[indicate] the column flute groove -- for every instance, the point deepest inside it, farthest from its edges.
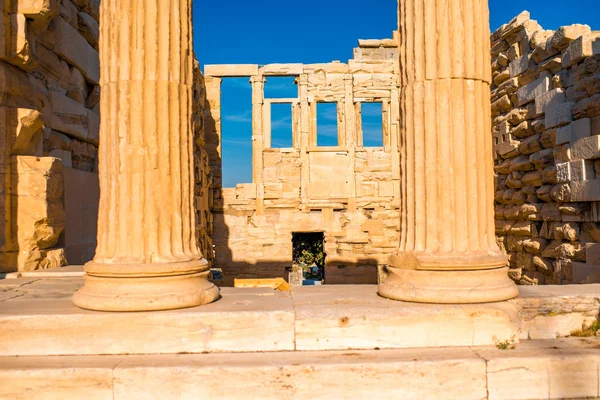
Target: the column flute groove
(147, 256)
(447, 251)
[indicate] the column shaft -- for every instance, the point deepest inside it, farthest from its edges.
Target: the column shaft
(147, 256)
(447, 252)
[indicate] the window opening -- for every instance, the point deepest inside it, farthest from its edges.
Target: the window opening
(236, 131)
(280, 87)
(327, 124)
(281, 125)
(372, 124)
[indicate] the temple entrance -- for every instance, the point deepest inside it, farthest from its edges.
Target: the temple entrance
(309, 256)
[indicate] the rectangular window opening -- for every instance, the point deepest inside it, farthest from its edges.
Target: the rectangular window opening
(281, 87)
(372, 124)
(236, 131)
(327, 124)
(281, 125)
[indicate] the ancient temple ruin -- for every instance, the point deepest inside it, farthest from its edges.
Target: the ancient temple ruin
(349, 192)
(111, 162)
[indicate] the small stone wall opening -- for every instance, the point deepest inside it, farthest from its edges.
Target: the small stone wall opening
(372, 124)
(327, 124)
(309, 254)
(281, 125)
(236, 135)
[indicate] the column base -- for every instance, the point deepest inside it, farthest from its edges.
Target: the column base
(118, 292)
(447, 287)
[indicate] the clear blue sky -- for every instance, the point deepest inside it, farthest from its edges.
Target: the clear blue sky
(309, 31)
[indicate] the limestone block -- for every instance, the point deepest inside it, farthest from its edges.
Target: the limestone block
(577, 50)
(563, 134)
(231, 70)
(518, 66)
(52, 66)
(93, 127)
(331, 189)
(281, 69)
(72, 47)
(580, 128)
(550, 98)
(501, 105)
(566, 34)
(38, 222)
(563, 172)
(64, 156)
(582, 170)
(584, 190)
(553, 65)
(559, 114)
(506, 74)
(373, 67)
(17, 44)
(586, 148)
(514, 24)
(68, 116)
(529, 92)
(32, 260)
(39, 177)
(585, 273)
(78, 88)
(24, 127)
(89, 28)
(38, 11)
(587, 107)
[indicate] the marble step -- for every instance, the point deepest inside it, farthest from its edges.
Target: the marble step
(38, 318)
(557, 369)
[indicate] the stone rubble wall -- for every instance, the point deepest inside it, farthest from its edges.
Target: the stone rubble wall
(546, 130)
(203, 185)
(49, 115)
(49, 127)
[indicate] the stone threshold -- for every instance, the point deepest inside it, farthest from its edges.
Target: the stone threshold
(39, 319)
(542, 369)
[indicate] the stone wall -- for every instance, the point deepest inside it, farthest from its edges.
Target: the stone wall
(49, 120)
(546, 129)
(349, 192)
(203, 187)
(49, 126)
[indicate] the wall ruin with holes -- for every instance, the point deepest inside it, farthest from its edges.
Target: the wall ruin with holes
(546, 129)
(349, 192)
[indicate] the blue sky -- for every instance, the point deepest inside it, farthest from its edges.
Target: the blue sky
(310, 31)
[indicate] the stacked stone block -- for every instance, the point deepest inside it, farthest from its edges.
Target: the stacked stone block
(49, 72)
(203, 186)
(546, 122)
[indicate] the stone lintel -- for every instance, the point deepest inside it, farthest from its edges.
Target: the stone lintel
(282, 69)
(230, 70)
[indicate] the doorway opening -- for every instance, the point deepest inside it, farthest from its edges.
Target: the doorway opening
(308, 253)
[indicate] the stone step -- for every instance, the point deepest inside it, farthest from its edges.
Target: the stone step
(37, 318)
(556, 369)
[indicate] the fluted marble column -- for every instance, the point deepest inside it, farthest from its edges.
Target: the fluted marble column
(147, 257)
(447, 252)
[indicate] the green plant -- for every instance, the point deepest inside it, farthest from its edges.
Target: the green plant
(308, 249)
(509, 344)
(587, 331)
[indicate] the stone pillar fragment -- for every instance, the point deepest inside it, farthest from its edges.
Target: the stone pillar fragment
(448, 252)
(147, 256)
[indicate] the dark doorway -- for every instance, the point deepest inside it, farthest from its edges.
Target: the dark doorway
(308, 253)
